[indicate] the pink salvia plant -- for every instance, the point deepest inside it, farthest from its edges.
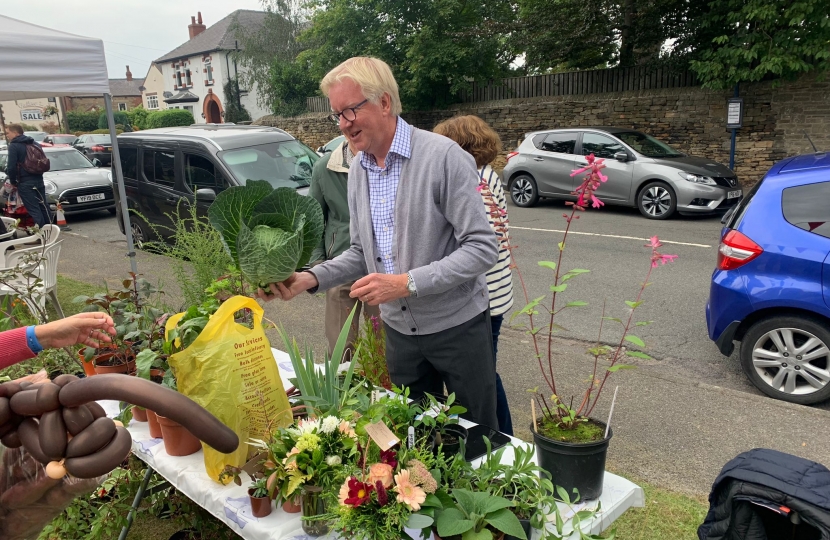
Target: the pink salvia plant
(566, 415)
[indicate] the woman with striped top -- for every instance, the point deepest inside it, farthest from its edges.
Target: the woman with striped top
(483, 143)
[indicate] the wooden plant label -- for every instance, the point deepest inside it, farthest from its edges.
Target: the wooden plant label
(382, 436)
(254, 465)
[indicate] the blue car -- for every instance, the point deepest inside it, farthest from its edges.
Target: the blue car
(771, 288)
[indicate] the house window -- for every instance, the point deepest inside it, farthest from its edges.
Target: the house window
(188, 81)
(122, 106)
(152, 102)
(208, 72)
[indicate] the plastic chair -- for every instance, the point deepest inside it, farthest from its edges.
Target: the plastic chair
(10, 228)
(46, 270)
(47, 235)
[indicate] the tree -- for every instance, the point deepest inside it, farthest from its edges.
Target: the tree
(750, 40)
(138, 117)
(434, 47)
(235, 112)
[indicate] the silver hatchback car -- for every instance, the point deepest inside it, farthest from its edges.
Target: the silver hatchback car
(642, 171)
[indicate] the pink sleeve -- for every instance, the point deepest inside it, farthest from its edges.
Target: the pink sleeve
(13, 347)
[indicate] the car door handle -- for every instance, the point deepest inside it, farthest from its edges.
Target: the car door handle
(582, 164)
(173, 200)
(538, 159)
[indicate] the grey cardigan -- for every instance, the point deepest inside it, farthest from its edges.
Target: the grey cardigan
(442, 237)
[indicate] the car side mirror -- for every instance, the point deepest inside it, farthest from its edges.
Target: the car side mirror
(96, 162)
(319, 150)
(205, 194)
(621, 156)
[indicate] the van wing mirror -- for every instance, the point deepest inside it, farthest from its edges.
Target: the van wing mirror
(205, 194)
(621, 156)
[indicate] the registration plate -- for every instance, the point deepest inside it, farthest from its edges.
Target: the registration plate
(733, 194)
(94, 197)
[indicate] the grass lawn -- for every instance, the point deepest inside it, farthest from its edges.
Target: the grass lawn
(667, 515)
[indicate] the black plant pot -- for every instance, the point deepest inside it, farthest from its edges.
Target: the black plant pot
(525, 525)
(579, 466)
(451, 449)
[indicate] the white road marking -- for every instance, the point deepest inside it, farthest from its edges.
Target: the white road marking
(611, 236)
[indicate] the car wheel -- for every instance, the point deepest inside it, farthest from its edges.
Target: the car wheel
(657, 200)
(788, 358)
(523, 191)
(142, 233)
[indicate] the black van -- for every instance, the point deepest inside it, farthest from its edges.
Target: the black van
(166, 167)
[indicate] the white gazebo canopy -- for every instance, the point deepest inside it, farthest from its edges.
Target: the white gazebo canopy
(41, 62)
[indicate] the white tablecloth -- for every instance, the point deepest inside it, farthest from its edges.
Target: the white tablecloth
(231, 504)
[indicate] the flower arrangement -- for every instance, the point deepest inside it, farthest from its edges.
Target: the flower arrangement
(568, 419)
(312, 452)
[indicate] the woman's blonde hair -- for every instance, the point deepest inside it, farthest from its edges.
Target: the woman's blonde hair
(373, 76)
(473, 135)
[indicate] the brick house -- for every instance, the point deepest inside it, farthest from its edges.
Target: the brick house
(195, 72)
(126, 94)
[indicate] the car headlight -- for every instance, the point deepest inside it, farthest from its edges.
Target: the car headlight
(698, 179)
(109, 176)
(51, 188)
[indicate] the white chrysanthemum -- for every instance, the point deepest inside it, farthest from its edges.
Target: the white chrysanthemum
(333, 461)
(304, 427)
(329, 424)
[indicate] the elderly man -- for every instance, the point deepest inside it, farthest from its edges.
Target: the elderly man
(420, 243)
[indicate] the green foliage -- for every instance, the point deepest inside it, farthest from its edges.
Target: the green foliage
(85, 121)
(120, 117)
(235, 112)
(198, 255)
(29, 127)
(169, 118)
(106, 131)
(750, 40)
(476, 515)
(269, 233)
(372, 360)
(289, 84)
(138, 117)
(258, 488)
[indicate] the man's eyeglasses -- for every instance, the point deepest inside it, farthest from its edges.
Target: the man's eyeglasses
(349, 114)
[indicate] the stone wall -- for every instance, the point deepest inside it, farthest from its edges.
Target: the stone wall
(690, 119)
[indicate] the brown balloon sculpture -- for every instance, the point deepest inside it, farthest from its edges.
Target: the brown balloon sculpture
(61, 426)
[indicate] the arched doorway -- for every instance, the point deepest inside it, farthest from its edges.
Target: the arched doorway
(212, 109)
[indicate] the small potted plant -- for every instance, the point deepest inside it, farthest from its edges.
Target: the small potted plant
(477, 515)
(571, 444)
(442, 420)
(260, 501)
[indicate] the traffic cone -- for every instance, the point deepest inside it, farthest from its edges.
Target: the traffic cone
(61, 219)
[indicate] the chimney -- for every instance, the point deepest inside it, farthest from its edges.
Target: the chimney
(196, 28)
(129, 74)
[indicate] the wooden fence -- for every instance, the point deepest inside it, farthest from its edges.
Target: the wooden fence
(562, 84)
(579, 82)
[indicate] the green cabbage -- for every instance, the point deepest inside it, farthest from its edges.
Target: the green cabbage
(269, 233)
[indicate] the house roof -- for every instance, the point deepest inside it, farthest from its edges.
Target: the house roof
(182, 97)
(123, 87)
(218, 37)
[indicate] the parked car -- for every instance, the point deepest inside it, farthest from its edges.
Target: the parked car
(95, 147)
(60, 139)
(38, 136)
(642, 171)
(330, 146)
(72, 179)
(167, 166)
(771, 288)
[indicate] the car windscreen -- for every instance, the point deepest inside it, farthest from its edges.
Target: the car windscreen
(36, 135)
(647, 145)
(66, 160)
(283, 164)
(64, 139)
(100, 139)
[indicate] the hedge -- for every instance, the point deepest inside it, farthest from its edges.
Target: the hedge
(169, 118)
(138, 117)
(82, 120)
(120, 117)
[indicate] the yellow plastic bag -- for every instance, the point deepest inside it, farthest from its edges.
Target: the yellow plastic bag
(230, 371)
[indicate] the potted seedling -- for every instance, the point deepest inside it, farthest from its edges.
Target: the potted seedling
(260, 501)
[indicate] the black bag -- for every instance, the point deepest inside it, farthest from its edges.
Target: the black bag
(36, 161)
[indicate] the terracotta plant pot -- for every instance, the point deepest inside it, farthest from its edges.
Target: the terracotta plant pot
(89, 367)
(139, 414)
(178, 441)
(127, 368)
(292, 505)
(260, 506)
(155, 428)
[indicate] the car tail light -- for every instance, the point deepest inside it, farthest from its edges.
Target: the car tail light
(97, 148)
(735, 250)
(511, 155)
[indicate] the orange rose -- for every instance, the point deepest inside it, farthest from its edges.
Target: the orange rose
(380, 472)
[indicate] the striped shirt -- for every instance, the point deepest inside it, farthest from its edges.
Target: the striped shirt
(383, 189)
(500, 277)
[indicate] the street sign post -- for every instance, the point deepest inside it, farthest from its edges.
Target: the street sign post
(734, 121)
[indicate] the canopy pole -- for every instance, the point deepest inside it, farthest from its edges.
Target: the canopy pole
(118, 178)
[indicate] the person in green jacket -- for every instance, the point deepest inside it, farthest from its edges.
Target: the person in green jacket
(329, 181)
